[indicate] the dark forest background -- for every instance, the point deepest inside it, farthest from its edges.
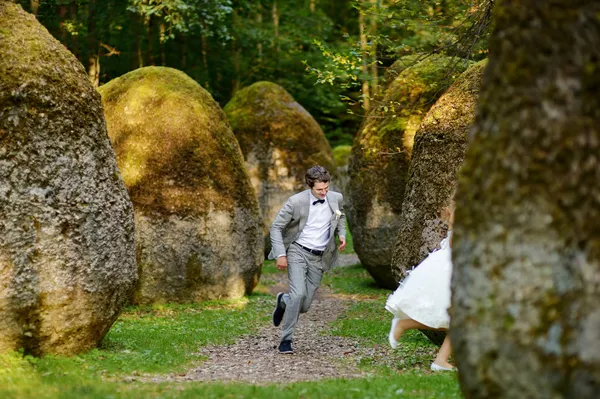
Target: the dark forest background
(331, 55)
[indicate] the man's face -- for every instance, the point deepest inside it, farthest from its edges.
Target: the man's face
(320, 189)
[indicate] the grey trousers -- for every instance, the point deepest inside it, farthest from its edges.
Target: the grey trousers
(305, 271)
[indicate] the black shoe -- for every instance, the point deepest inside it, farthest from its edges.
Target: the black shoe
(286, 347)
(279, 311)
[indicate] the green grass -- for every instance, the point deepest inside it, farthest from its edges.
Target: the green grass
(349, 241)
(353, 280)
(144, 340)
(268, 269)
(382, 386)
(32, 384)
(166, 339)
(368, 321)
(50, 379)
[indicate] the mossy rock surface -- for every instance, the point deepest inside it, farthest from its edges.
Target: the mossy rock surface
(526, 247)
(280, 140)
(341, 156)
(438, 152)
(380, 158)
(394, 70)
(67, 255)
(197, 221)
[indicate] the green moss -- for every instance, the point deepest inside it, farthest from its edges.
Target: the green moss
(35, 64)
(457, 110)
(264, 116)
(524, 205)
(398, 66)
(382, 149)
(439, 150)
(341, 154)
(174, 147)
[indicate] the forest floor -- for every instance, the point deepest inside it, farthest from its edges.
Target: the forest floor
(255, 358)
(228, 349)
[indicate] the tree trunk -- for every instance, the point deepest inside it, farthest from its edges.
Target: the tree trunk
(526, 283)
(183, 52)
(364, 45)
(318, 26)
(35, 5)
(235, 79)
(150, 33)
(235, 84)
(259, 46)
(163, 37)
(374, 65)
(73, 11)
(204, 44)
(93, 46)
(275, 15)
(62, 15)
(140, 22)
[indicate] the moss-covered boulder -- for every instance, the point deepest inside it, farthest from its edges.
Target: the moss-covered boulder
(197, 222)
(67, 255)
(525, 320)
(380, 157)
(341, 156)
(280, 141)
(394, 70)
(438, 152)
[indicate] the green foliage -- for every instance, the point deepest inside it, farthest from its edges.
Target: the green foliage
(353, 280)
(187, 16)
(341, 153)
(400, 28)
(229, 44)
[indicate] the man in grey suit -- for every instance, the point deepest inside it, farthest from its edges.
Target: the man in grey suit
(303, 242)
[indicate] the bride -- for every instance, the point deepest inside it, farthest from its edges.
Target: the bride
(422, 299)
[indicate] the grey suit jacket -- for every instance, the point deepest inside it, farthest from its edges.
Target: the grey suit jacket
(291, 219)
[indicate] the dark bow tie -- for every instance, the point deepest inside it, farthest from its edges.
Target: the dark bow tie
(318, 202)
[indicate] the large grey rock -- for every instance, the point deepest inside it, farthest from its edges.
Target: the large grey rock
(67, 256)
(380, 158)
(438, 152)
(280, 140)
(525, 317)
(198, 232)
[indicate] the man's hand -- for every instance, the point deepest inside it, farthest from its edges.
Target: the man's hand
(342, 244)
(282, 263)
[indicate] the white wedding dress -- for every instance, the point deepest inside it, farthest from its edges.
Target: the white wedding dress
(424, 295)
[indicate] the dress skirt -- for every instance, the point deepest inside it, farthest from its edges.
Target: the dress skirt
(424, 295)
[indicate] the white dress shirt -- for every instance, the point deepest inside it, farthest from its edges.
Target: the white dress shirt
(315, 234)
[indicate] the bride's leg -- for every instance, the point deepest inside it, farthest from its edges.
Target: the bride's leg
(444, 353)
(407, 324)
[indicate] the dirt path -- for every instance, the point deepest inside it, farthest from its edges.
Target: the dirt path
(255, 359)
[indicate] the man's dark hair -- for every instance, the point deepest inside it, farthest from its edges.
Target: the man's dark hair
(316, 174)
